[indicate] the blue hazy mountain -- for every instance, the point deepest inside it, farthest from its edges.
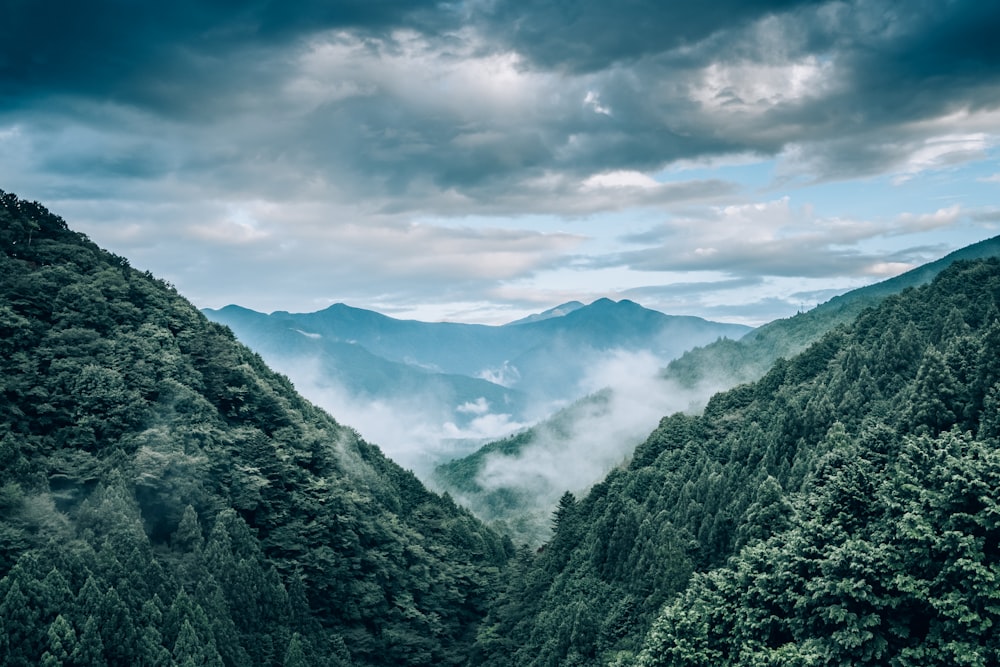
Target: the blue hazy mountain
(464, 382)
(341, 360)
(558, 311)
(542, 358)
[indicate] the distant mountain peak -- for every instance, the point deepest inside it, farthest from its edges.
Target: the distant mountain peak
(605, 302)
(559, 311)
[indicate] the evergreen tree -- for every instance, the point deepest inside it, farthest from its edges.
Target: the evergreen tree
(931, 408)
(62, 642)
(20, 643)
(118, 632)
(188, 536)
(192, 651)
(89, 650)
(295, 655)
(150, 649)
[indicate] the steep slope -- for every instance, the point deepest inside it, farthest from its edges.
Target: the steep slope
(513, 484)
(855, 484)
(167, 499)
(750, 357)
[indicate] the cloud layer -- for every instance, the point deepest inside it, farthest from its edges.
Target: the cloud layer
(439, 157)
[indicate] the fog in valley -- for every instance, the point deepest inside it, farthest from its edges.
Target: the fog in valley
(417, 431)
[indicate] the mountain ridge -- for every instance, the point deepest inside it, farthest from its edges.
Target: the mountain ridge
(557, 311)
(838, 510)
(477, 381)
(751, 356)
(165, 498)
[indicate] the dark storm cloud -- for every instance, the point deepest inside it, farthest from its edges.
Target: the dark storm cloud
(882, 69)
(900, 70)
(617, 86)
(590, 35)
(146, 52)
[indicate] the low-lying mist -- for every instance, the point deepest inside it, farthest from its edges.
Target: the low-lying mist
(573, 446)
(574, 453)
(417, 430)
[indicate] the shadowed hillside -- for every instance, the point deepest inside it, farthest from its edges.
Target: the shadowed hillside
(165, 499)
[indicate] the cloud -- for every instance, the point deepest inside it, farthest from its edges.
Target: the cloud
(988, 215)
(344, 149)
(590, 35)
(295, 248)
(159, 56)
(417, 431)
(771, 239)
(652, 292)
(402, 95)
(593, 101)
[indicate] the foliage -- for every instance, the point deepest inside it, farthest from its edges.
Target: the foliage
(839, 510)
(700, 372)
(166, 499)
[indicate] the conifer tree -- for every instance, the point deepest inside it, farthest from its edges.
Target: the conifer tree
(933, 397)
(118, 631)
(188, 537)
(89, 650)
(192, 651)
(62, 642)
(295, 655)
(20, 642)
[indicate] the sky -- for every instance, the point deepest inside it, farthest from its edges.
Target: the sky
(481, 160)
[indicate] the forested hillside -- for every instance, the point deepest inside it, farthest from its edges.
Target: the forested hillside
(841, 510)
(747, 359)
(521, 504)
(165, 499)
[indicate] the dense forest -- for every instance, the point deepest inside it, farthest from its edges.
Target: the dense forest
(841, 510)
(165, 499)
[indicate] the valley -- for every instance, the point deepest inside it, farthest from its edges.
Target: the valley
(169, 499)
(428, 392)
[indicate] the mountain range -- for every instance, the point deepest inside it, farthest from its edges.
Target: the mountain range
(465, 381)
